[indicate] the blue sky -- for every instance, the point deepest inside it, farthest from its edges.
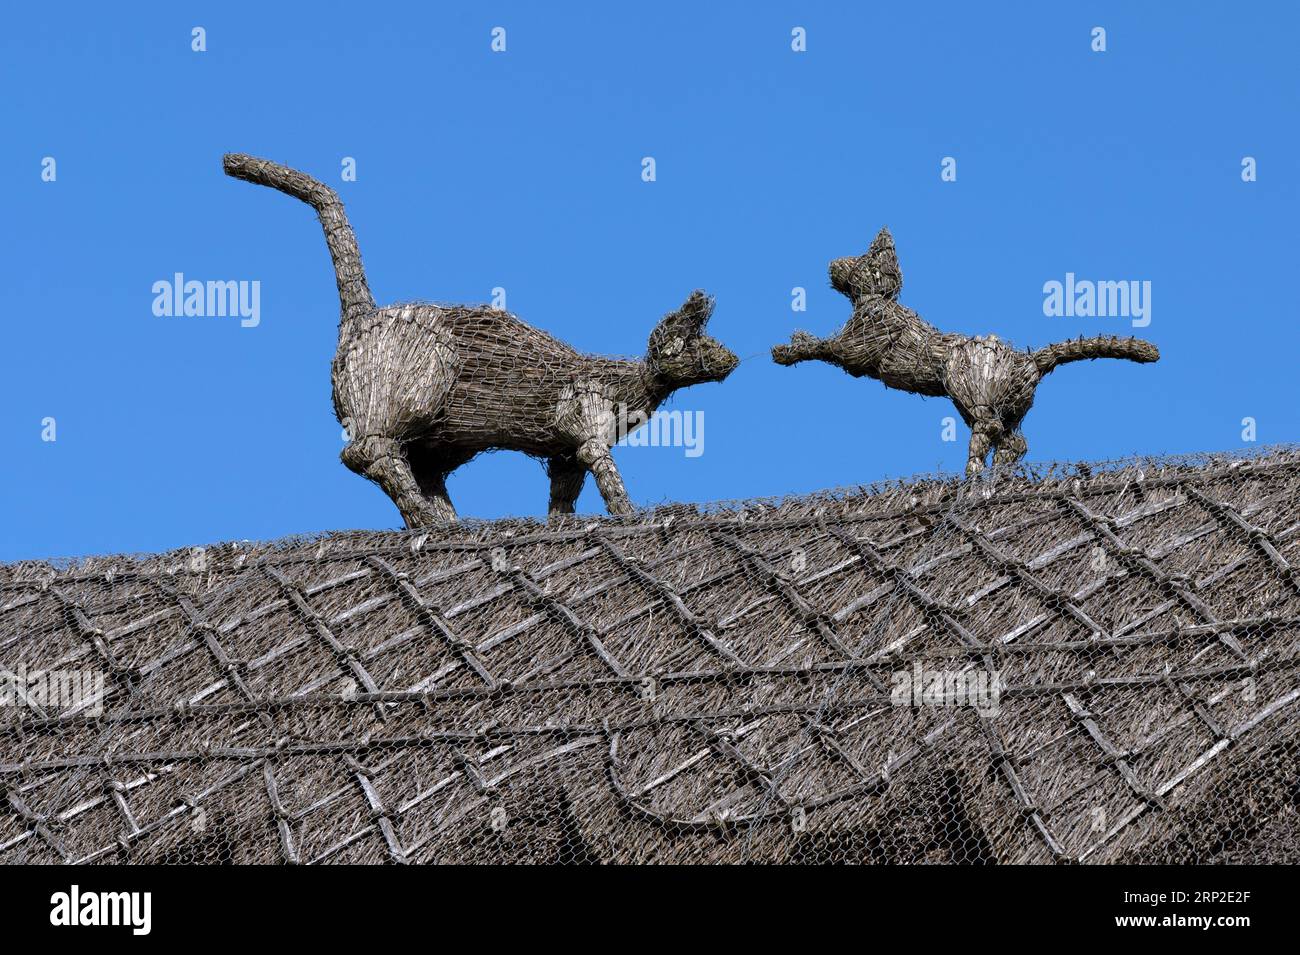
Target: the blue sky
(522, 170)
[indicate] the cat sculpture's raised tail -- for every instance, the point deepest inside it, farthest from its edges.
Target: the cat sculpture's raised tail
(354, 292)
(1086, 349)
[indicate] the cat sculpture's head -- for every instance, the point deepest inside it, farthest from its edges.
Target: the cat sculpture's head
(680, 354)
(875, 273)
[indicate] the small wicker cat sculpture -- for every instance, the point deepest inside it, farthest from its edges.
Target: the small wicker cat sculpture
(991, 383)
(423, 388)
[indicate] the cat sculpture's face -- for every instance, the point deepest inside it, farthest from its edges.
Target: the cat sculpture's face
(875, 273)
(680, 354)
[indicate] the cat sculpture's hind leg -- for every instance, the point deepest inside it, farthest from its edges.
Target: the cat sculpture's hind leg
(431, 465)
(383, 460)
(391, 380)
(985, 432)
(1011, 448)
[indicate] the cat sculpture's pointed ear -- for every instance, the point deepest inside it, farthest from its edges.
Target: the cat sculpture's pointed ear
(875, 272)
(883, 242)
(690, 318)
(883, 256)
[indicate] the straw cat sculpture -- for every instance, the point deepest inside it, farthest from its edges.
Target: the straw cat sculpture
(991, 383)
(424, 388)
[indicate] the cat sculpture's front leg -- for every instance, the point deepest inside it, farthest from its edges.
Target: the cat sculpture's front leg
(587, 416)
(567, 474)
(595, 456)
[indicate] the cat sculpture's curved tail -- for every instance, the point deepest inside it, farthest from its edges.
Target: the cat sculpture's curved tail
(354, 292)
(1132, 349)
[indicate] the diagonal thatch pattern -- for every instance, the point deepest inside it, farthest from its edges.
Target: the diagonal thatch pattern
(686, 685)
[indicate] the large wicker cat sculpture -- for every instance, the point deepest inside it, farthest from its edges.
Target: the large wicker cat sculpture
(421, 388)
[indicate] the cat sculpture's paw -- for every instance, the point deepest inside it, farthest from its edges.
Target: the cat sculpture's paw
(802, 346)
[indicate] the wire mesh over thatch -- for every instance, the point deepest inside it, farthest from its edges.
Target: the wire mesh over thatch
(1090, 665)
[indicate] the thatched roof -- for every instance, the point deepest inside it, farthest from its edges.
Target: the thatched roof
(688, 684)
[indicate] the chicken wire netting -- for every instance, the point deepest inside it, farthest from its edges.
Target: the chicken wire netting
(1051, 664)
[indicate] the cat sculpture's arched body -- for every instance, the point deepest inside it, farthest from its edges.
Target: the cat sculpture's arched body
(423, 388)
(991, 383)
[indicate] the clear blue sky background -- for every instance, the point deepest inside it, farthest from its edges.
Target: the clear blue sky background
(522, 170)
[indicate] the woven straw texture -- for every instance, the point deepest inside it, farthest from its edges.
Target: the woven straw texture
(688, 684)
